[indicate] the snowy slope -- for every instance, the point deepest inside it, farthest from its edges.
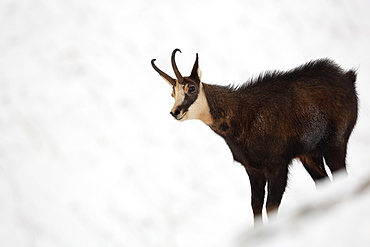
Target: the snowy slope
(336, 216)
(89, 155)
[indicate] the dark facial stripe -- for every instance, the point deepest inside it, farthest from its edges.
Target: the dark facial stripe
(188, 101)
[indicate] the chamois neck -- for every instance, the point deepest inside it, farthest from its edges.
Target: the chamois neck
(200, 109)
(221, 101)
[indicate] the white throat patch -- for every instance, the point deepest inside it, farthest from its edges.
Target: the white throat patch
(199, 109)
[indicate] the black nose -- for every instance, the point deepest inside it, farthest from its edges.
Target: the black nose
(176, 113)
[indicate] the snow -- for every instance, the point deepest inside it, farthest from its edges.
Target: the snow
(89, 155)
(336, 216)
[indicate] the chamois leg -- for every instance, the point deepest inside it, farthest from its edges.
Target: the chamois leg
(314, 165)
(257, 180)
(335, 158)
(276, 183)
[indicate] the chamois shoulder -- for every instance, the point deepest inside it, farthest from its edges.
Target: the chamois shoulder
(311, 70)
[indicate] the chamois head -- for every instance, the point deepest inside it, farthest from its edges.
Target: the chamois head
(190, 102)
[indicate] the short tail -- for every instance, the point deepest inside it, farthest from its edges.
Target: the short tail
(352, 75)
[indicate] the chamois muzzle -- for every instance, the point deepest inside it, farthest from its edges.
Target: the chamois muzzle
(178, 114)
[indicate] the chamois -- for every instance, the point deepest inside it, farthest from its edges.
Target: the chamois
(307, 113)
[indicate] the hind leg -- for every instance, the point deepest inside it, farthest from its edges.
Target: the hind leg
(335, 158)
(276, 183)
(314, 165)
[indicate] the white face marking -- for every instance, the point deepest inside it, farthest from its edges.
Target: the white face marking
(198, 110)
(179, 96)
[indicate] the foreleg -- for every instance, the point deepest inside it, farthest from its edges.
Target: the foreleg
(257, 180)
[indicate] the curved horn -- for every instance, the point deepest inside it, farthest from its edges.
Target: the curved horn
(195, 70)
(164, 75)
(174, 66)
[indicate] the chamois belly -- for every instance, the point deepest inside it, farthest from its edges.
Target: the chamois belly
(260, 155)
(271, 150)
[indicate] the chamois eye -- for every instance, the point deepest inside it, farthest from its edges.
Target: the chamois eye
(191, 89)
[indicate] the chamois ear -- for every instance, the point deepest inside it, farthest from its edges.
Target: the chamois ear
(196, 74)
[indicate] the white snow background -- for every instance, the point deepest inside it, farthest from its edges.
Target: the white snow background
(89, 155)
